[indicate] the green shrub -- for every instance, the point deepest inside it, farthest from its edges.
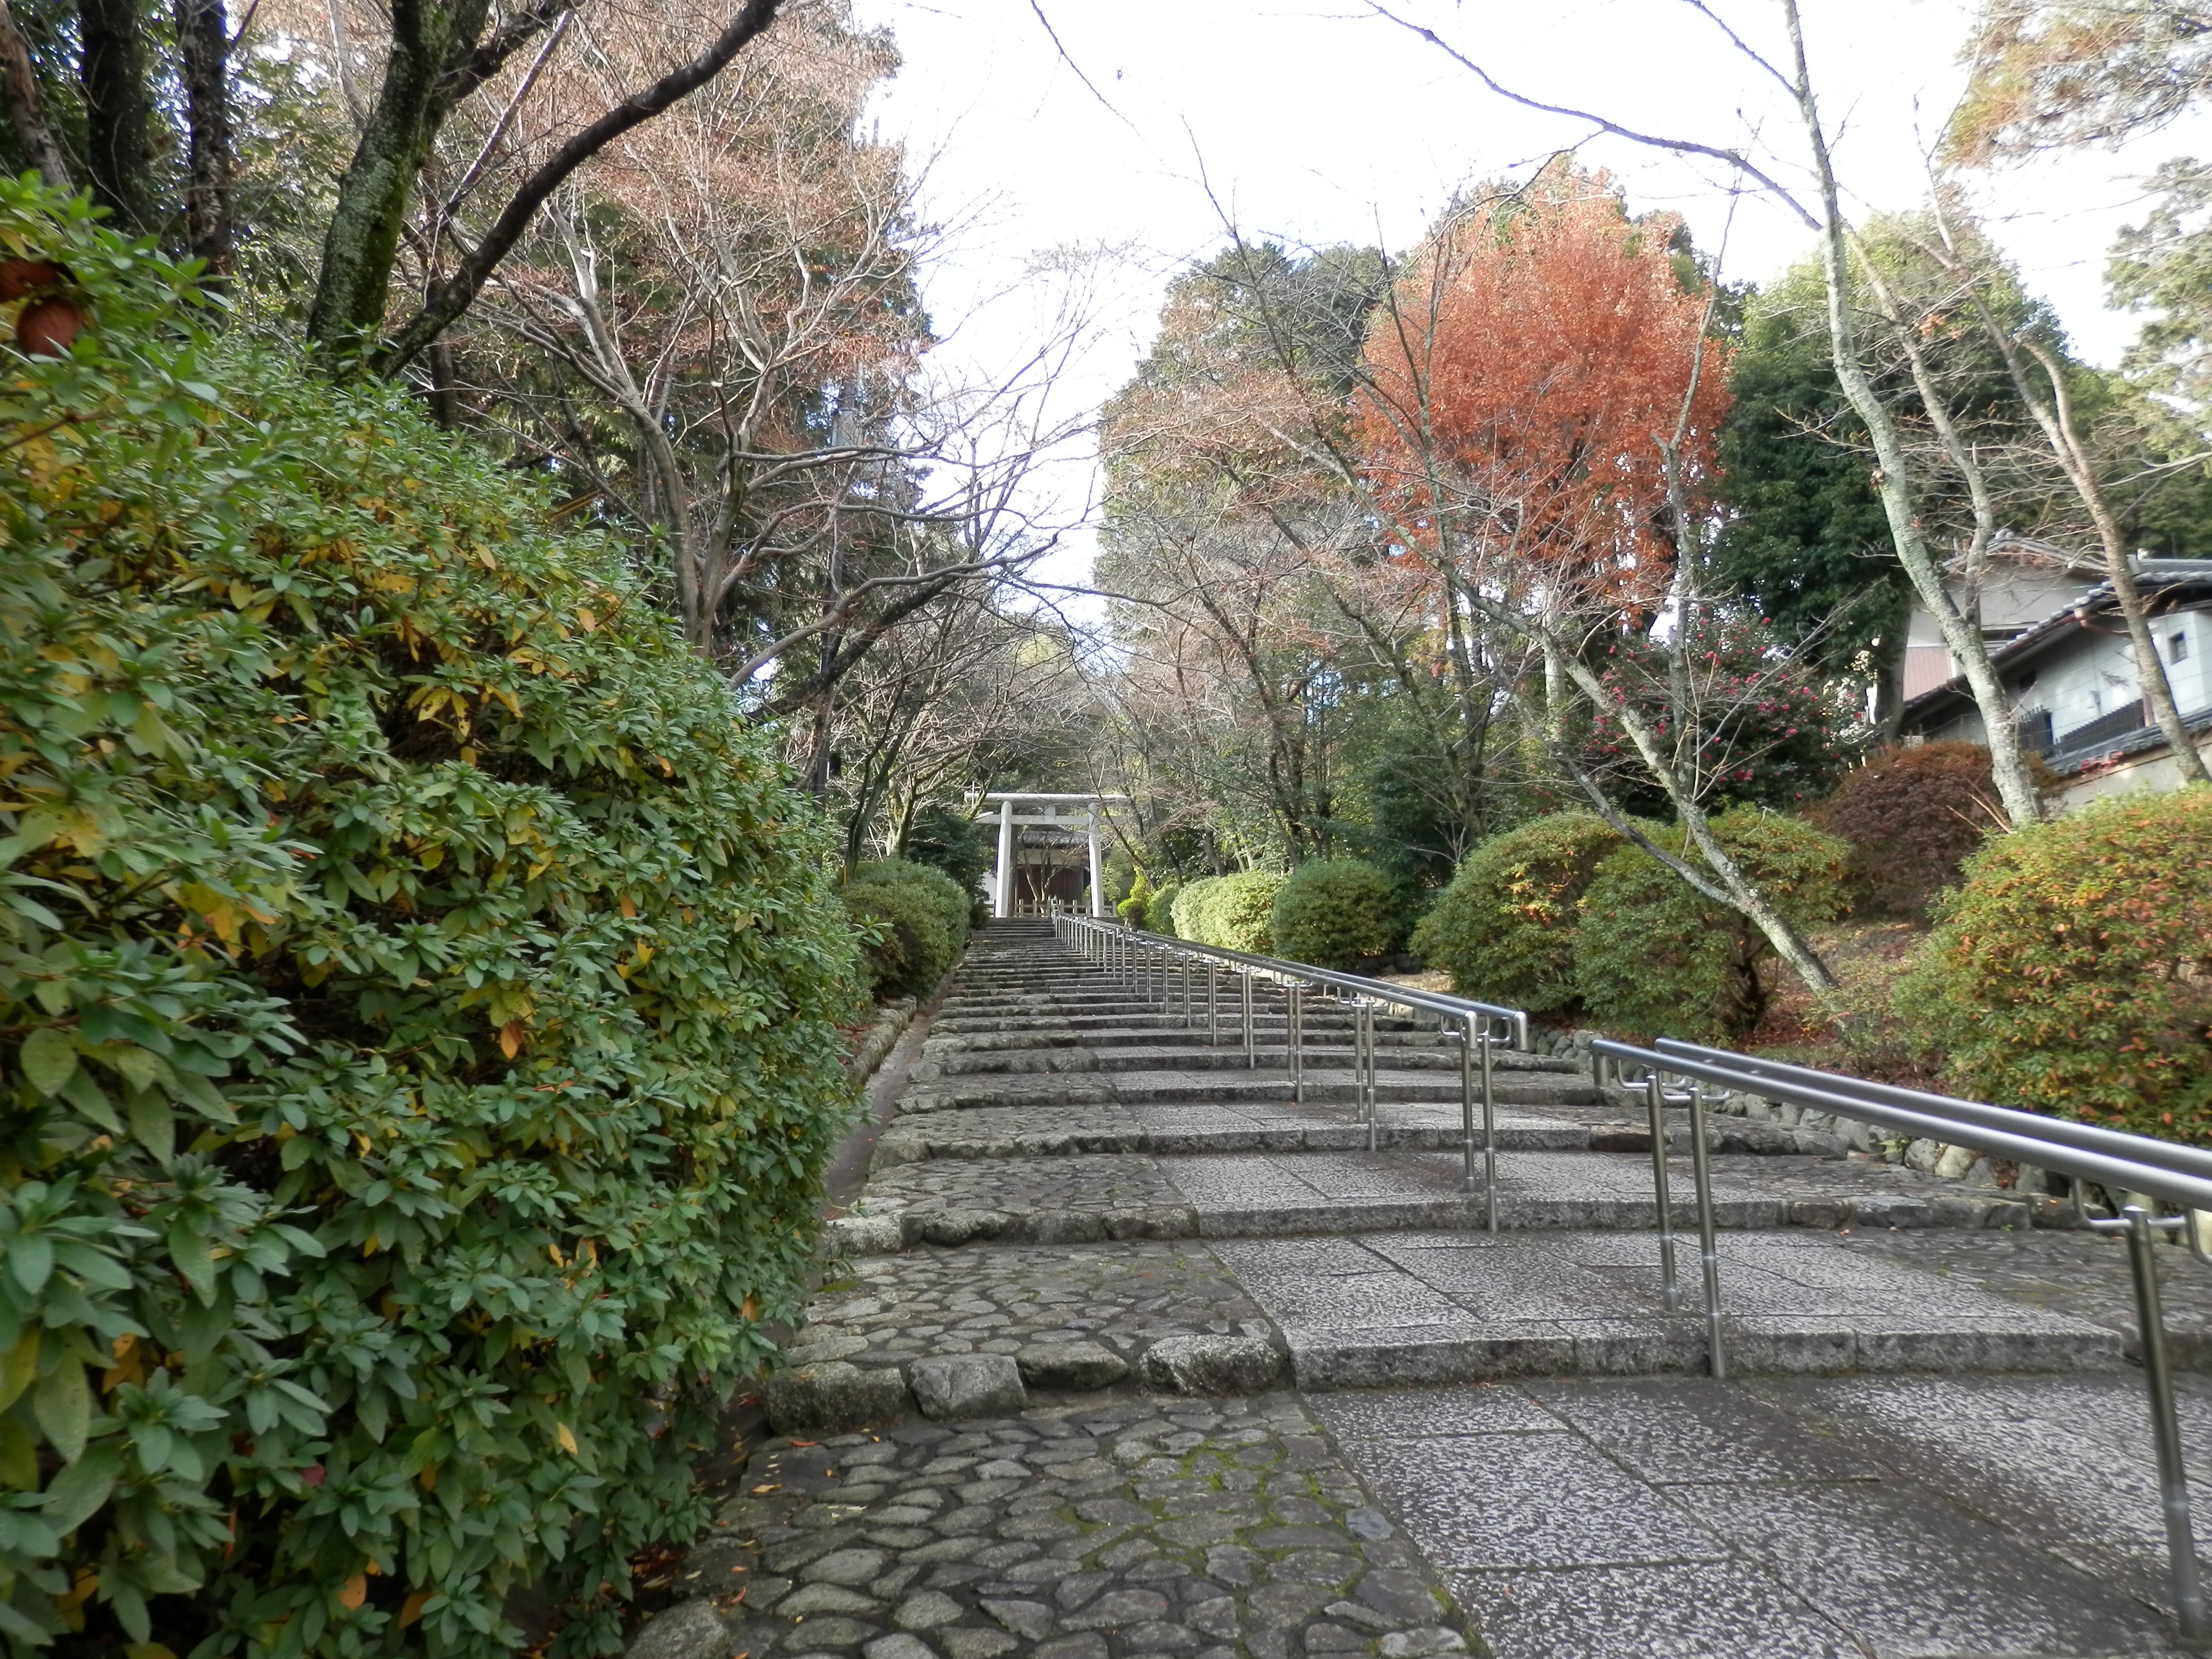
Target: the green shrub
(1911, 815)
(1335, 913)
(1133, 908)
(1656, 957)
(419, 997)
(1504, 928)
(1159, 909)
(2071, 972)
(924, 921)
(1189, 902)
(954, 843)
(1236, 910)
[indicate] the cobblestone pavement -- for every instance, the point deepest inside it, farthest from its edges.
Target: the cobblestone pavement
(1039, 1405)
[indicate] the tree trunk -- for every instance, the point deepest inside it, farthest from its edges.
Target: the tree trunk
(429, 37)
(118, 110)
(2008, 761)
(203, 51)
(27, 107)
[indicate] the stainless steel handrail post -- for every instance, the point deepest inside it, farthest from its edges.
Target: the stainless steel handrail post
(1212, 1005)
(1654, 1102)
(1363, 1069)
(2166, 1429)
(1489, 1129)
(1296, 1042)
(1466, 1040)
(1251, 1036)
(1709, 1257)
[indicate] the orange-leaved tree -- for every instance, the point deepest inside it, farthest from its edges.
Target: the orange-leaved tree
(1534, 366)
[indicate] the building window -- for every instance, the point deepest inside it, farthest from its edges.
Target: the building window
(2177, 647)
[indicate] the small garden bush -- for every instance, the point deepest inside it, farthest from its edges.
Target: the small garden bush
(1159, 909)
(1134, 909)
(1335, 913)
(419, 997)
(1189, 902)
(1236, 911)
(921, 919)
(1911, 815)
(1504, 928)
(1656, 957)
(2071, 972)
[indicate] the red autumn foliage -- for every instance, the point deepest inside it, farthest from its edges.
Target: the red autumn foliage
(1520, 386)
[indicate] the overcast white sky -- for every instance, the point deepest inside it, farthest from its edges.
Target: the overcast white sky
(1322, 123)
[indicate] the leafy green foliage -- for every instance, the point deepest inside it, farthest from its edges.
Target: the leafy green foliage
(418, 1007)
(1911, 815)
(1159, 909)
(1505, 928)
(1656, 957)
(1336, 913)
(954, 843)
(1136, 908)
(1233, 912)
(1189, 900)
(922, 919)
(2071, 971)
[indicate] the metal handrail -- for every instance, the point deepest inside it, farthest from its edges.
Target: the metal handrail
(2141, 1170)
(1139, 956)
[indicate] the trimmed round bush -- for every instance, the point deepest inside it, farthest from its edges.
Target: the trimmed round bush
(1335, 913)
(1504, 928)
(1656, 957)
(1132, 910)
(922, 919)
(1912, 817)
(1190, 903)
(419, 1007)
(1159, 910)
(1237, 911)
(2071, 971)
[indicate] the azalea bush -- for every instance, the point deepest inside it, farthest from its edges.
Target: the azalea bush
(1656, 957)
(418, 1014)
(917, 920)
(1504, 928)
(1336, 913)
(1232, 912)
(2071, 971)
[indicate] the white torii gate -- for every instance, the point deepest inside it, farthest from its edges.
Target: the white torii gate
(1017, 808)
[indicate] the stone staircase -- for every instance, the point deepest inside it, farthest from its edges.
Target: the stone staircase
(1129, 1353)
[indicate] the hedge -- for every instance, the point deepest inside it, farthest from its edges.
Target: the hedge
(1159, 909)
(1336, 913)
(1505, 927)
(419, 999)
(2071, 972)
(1234, 912)
(1190, 901)
(1912, 817)
(1656, 957)
(921, 918)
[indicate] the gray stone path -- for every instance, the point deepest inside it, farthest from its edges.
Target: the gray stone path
(1126, 1353)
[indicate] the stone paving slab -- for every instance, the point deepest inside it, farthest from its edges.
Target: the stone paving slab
(1227, 1529)
(1398, 1309)
(1703, 1521)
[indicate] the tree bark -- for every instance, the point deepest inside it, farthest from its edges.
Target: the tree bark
(203, 51)
(2008, 764)
(27, 107)
(118, 110)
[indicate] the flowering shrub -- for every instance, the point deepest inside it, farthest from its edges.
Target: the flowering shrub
(2071, 971)
(418, 1006)
(1656, 957)
(1504, 928)
(1768, 732)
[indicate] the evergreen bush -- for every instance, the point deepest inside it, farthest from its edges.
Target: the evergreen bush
(1912, 817)
(1236, 911)
(2071, 971)
(954, 842)
(1159, 909)
(1337, 913)
(922, 919)
(1656, 957)
(1504, 928)
(1137, 906)
(1189, 904)
(419, 999)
